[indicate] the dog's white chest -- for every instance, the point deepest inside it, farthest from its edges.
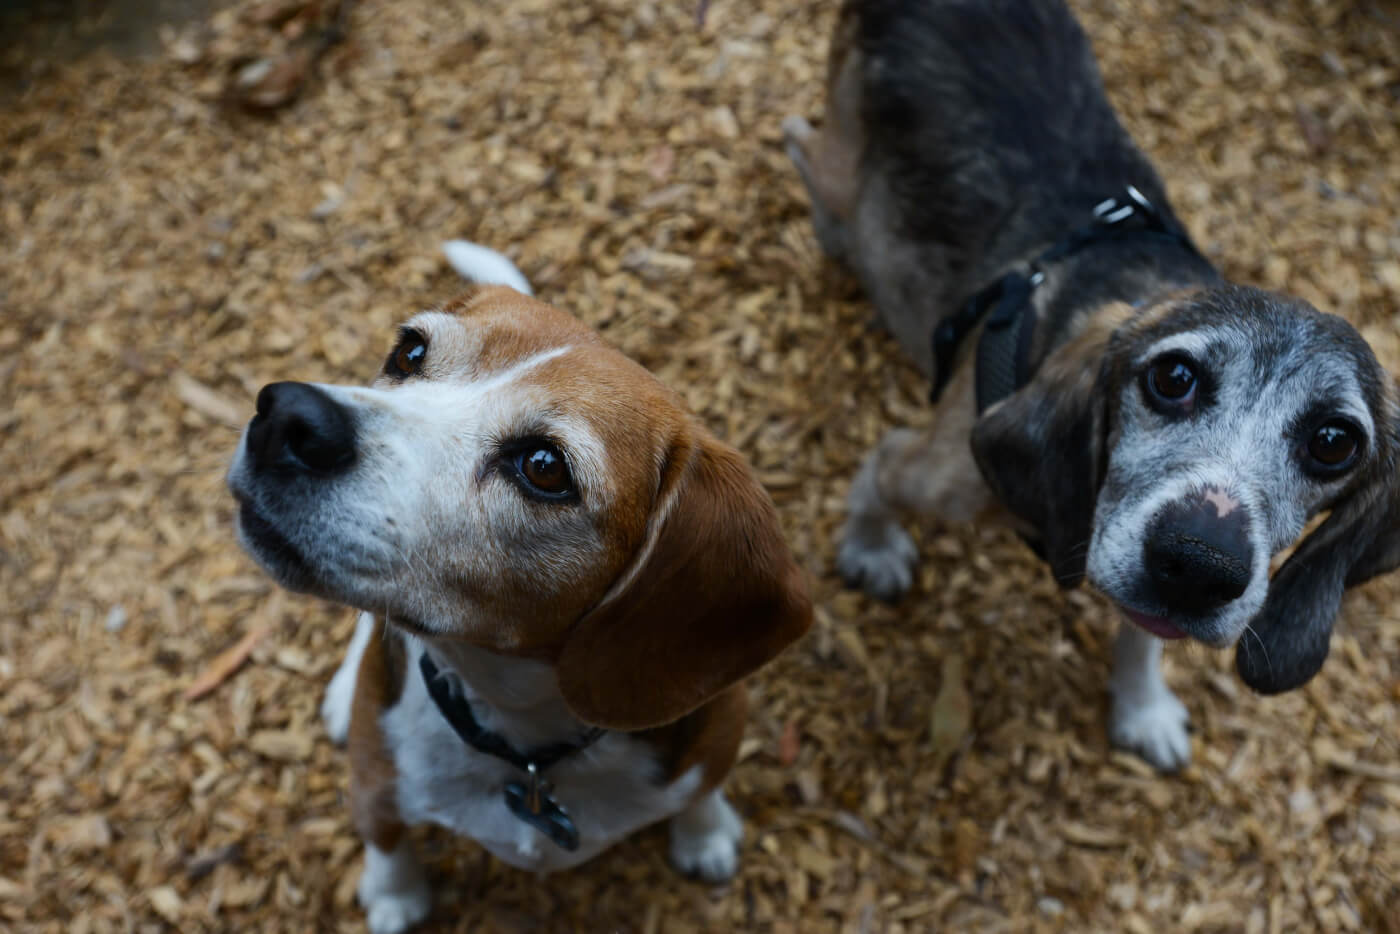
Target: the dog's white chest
(608, 789)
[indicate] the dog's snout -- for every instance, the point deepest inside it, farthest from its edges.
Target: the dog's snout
(1198, 555)
(300, 427)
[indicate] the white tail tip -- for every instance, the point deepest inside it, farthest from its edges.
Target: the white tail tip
(484, 265)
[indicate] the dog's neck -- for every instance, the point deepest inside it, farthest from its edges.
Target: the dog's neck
(1132, 271)
(515, 697)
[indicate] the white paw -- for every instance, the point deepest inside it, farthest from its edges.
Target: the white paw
(878, 557)
(393, 890)
(705, 839)
(396, 913)
(1154, 729)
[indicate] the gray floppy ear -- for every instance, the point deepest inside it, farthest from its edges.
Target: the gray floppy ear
(1288, 641)
(1041, 450)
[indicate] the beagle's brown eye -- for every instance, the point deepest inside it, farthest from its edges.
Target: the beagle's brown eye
(1333, 445)
(544, 471)
(406, 359)
(1172, 378)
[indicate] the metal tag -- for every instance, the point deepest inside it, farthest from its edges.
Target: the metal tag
(531, 802)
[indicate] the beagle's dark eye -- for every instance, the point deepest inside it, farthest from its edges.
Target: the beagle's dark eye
(544, 472)
(1334, 445)
(406, 359)
(1171, 382)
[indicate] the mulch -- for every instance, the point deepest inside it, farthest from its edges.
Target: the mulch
(166, 247)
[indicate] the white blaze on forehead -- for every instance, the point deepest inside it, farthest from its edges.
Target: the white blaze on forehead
(422, 396)
(1223, 502)
(437, 411)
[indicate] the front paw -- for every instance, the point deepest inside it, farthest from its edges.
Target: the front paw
(705, 840)
(1155, 729)
(394, 913)
(393, 890)
(878, 558)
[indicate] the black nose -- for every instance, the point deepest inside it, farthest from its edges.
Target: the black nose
(299, 427)
(1198, 554)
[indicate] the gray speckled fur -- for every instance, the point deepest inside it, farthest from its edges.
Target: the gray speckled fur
(977, 133)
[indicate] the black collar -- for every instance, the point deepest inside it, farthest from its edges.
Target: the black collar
(457, 712)
(1003, 352)
(531, 801)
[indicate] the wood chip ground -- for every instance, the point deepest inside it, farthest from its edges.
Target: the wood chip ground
(940, 765)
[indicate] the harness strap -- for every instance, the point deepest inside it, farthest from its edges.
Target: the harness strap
(1003, 352)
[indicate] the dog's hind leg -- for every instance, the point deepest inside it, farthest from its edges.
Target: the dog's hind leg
(804, 146)
(930, 473)
(829, 159)
(1146, 718)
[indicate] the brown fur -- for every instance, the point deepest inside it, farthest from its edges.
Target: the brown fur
(693, 589)
(717, 596)
(709, 738)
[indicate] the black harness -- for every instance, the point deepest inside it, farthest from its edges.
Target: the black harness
(531, 801)
(1003, 352)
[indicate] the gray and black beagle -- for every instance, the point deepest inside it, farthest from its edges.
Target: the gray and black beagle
(1146, 424)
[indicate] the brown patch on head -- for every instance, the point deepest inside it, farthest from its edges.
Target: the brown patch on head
(660, 579)
(489, 327)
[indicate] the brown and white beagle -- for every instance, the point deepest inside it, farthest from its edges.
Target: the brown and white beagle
(1142, 422)
(564, 580)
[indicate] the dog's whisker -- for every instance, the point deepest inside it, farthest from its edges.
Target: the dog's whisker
(1268, 663)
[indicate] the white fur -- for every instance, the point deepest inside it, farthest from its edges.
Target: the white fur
(422, 482)
(609, 789)
(705, 838)
(484, 265)
(1146, 717)
(393, 890)
(340, 693)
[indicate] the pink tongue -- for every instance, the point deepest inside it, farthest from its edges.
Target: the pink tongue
(1155, 624)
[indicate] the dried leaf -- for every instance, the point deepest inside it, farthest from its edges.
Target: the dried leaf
(282, 745)
(90, 832)
(226, 663)
(788, 744)
(1084, 835)
(274, 82)
(208, 402)
(951, 715)
(167, 903)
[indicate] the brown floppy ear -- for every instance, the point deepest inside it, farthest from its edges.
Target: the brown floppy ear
(1041, 450)
(1288, 640)
(715, 596)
